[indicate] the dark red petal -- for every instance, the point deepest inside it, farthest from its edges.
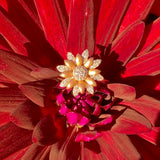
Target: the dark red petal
(151, 38)
(147, 106)
(17, 155)
(92, 151)
(36, 91)
(3, 44)
(138, 10)
(45, 132)
(131, 122)
(68, 149)
(13, 139)
(147, 64)
(122, 91)
(127, 42)
(36, 152)
(152, 136)
(4, 118)
(81, 29)
(15, 38)
(68, 5)
(114, 146)
(16, 67)
(155, 8)
(111, 13)
(10, 98)
(26, 116)
(56, 30)
(147, 150)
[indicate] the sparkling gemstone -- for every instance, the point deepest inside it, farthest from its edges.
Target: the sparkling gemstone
(80, 73)
(96, 63)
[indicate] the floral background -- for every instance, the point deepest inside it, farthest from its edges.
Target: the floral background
(39, 120)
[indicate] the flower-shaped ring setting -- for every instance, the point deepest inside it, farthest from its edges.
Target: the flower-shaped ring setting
(80, 73)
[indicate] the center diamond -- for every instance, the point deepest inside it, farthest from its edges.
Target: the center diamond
(80, 73)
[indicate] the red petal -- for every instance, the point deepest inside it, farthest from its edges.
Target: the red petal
(127, 42)
(66, 150)
(131, 122)
(10, 98)
(138, 10)
(17, 155)
(111, 13)
(122, 91)
(155, 8)
(92, 151)
(68, 5)
(151, 38)
(36, 152)
(147, 64)
(36, 91)
(13, 139)
(54, 12)
(26, 116)
(16, 67)
(147, 150)
(147, 106)
(4, 118)
(81, 33)
(15, 39)
(45, 132)
(115, 146)
(152, 136)
(4, 45)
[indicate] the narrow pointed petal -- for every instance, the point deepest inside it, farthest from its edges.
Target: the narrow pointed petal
(44, 73)
(138, 10)
(152, 136)
(4, 118)
(13, 139)
(92, 151)
(151, 38)
(4, 45)
(36, 152)
(56, 29)
(26, 116)
(155, 8)
(131, 122)
(16, 67)
(111, 13)
(122, 91)
(147, 106)
(147, 150)
(147, 64)
(67, 150)
(122, 147)
(12, 35)
(10, 98)
(45, 132)
(81, 33)
(131, 37)
(36, 91)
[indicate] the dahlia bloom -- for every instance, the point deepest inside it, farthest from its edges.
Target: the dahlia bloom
(49, 110)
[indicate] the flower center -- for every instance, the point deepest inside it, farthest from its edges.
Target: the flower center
(80, 73)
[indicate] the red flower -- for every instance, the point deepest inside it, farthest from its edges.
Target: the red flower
(41, 120)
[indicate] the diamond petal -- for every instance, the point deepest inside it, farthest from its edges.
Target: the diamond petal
(96, 63)
(90, 89)
(62, 68)
(98, 77)
(70, 56)
(65, 82)
(76, 90)
(85, 55)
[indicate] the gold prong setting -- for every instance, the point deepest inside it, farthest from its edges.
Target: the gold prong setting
(80, 73)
